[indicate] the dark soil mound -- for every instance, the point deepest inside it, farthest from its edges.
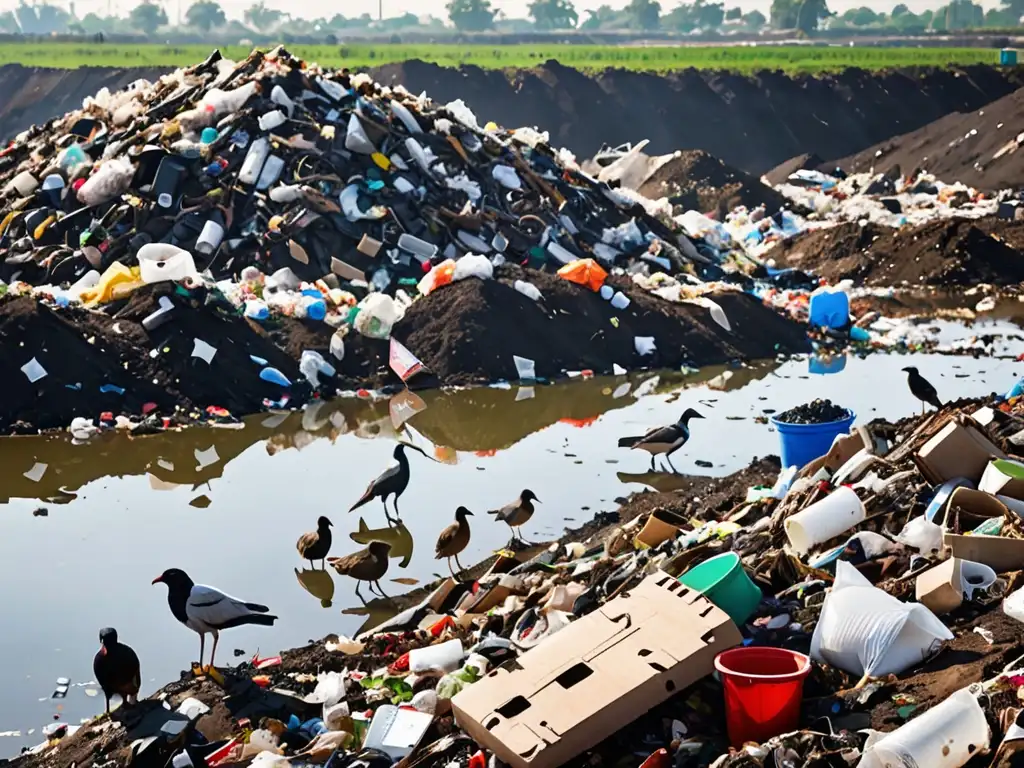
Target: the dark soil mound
(783, 171)
(953, 252)
(701, 182)
(958, 147)
(753, 122)
(467, 332)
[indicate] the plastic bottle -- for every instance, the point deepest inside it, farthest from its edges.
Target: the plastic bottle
(408, 120)
(313, 308)
(208, 136)
(271, 120)
(417, 247)
(212, 234)
(255, 158)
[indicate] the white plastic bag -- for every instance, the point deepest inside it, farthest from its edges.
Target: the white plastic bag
(529, 290)
(377, 315)
(866, 631)
(312, 364)
(921, 534)
(472, 265)
(112, 179)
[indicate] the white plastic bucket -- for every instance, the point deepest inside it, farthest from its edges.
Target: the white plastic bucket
(946, 736)
(975, 576)
(840, 511)
(162, 261)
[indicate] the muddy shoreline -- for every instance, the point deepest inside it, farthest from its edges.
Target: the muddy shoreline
(465, 333)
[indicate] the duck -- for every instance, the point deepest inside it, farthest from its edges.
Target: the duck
(206, 610)
(453, 539)
(116, 668)
(316, 544)
(368, 565)
(663, 441)
(518, 513)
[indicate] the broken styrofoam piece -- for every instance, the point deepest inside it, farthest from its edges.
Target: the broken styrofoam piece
(644, 345)
(866, 631)
(525, 367)
(34, 371)
(155, 319)
(203, 350)
(946, 736)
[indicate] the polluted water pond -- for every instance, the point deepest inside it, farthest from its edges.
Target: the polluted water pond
(121, 511)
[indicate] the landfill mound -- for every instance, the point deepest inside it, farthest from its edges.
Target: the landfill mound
(949, 252)
(699, 181)
(977, 147)
(753, 122)
(802, 162)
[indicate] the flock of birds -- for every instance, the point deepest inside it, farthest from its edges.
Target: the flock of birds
(207, 610)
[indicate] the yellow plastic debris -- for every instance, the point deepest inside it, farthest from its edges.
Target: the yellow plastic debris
(382, 162)
(116, 283)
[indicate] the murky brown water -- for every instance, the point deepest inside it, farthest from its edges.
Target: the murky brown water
(227, 505)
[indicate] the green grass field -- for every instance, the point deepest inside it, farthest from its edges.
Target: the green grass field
(811, 59)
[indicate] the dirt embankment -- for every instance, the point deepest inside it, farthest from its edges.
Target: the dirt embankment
(464, 333)
(752, 122)
(962, 146)
(952, 252)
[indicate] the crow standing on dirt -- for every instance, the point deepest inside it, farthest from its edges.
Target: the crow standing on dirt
(116, 667)
(922, 389)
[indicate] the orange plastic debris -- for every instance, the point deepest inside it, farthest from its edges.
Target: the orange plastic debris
(585, 272)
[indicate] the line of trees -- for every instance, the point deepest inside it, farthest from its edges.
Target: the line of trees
(807, 16)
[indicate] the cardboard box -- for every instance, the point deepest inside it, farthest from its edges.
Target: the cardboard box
(939, 589)
(595, 676)
(998, 553)
(959, 449)
(661, 526)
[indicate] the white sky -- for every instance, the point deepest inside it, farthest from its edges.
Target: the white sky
(512, 8)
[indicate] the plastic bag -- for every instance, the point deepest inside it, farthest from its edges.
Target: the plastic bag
(529, 290)
(584, 272)
(312, 364)
(113, 178)
(377, 315)
(439, 276)
(921, 534)
(472, 265)
(866, 631)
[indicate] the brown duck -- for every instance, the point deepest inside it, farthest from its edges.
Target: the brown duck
(517, 513)
(316, 544)
(368, 564)
(454, 539)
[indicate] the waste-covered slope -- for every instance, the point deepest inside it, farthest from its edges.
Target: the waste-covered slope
(978, 147)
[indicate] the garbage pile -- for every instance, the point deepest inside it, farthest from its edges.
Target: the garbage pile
(861, 603)
(273, 204)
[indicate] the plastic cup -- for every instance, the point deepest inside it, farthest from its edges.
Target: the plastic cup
(801, 444)
(722, 580)
(838, 512)
(763, 689)
(1000, 474)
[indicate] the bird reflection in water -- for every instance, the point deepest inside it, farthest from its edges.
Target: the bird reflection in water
(396, 535)
(319, 583)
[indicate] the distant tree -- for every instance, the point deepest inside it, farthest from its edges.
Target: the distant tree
(41, 19)
(258, 16)
(603, 16)
(861, 17)
(471, 15)
(205, 15)
(1001, 18)
(734, 14)
(899, 10)
(8, 23)
(698, 15)
(783, 13)
(553, 14)
(644, 14)
(809, 14)
(754, 20)
(963, 14)
(147, 17)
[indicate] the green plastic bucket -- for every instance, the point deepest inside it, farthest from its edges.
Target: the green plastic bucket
(722, 580)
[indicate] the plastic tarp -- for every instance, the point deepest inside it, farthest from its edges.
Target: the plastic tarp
(866, 631)
(586, 272)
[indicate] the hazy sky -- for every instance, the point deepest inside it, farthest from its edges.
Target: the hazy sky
(512, 8)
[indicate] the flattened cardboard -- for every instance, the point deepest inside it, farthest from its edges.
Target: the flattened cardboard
(956, 450)
(939, 588)
(346, 271)
(998, 553)
(596, 675)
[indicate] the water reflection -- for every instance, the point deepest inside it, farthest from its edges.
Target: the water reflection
(480, 421)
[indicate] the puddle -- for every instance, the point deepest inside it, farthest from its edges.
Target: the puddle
(227, 505)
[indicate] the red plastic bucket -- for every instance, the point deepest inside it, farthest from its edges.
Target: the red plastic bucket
(763, 690)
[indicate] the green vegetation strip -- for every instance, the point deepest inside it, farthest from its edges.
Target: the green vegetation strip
(795, 58)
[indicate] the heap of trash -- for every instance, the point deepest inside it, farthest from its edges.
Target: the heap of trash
(283, 219)
(861, 604)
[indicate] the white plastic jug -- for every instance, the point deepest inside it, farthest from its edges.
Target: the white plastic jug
(839, 511)
(163, 261)
(946, 736)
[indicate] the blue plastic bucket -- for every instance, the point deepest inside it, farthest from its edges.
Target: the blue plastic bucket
(801, 444)
(1008, 57)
